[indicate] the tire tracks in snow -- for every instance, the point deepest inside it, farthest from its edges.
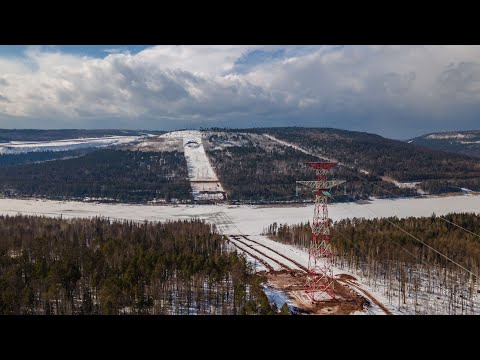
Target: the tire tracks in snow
(365, 293)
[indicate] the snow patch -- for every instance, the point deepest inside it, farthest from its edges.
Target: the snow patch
(21, 147)
(449, 136)
(469, 142)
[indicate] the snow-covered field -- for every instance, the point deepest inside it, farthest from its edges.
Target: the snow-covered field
(249, 220)
(20, 147)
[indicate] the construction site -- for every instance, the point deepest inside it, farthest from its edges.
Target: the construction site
(313, 289)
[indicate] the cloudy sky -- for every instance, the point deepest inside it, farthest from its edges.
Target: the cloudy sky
(395, 91)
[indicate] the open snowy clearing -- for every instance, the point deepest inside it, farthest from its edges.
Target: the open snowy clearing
(20, 147)
(249, 220)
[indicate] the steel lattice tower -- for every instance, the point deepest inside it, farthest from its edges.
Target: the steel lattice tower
(320, 258)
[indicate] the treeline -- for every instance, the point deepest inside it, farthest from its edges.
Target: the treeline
(469, 144)
(122, 176)
(407, 272)
(97, 266)
(255, 173)
(259, 173)
(383, 157)
(451, 185)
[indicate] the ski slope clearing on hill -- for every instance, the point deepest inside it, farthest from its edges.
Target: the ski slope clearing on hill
(199, 167)
(203, 179)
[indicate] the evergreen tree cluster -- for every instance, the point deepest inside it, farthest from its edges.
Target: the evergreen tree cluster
(383, 157)
(98, 266)
(8, 160)
(253, 172)
(122, 176)
(383, 252)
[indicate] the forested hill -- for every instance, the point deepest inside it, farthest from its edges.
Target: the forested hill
(7, 135)
(460, 142)
(111, 175)
(436, 171)
(97, 266)
(382, 156)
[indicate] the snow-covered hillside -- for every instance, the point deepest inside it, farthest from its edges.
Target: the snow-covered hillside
(19, 147)
(461, 142)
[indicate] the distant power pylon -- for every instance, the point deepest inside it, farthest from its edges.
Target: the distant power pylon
(320, 257)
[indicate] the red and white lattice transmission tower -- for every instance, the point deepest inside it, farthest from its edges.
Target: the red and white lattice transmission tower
(320, 259)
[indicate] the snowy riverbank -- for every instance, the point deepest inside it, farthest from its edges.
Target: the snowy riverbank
(248, 219)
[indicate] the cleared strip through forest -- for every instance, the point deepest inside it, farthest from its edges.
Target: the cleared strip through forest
(321, 157)
(267, 265)
(282, 265)
(301, 267)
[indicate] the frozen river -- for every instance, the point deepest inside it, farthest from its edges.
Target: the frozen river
(247, 219)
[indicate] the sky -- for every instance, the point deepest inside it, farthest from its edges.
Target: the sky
(395, 91)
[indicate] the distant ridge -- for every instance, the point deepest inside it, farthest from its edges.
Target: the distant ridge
(458, 142)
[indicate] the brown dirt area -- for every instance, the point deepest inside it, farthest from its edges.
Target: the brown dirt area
(293, 284)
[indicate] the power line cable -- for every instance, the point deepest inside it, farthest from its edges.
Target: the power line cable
(345, 167)
(422, 242)
(398, 197)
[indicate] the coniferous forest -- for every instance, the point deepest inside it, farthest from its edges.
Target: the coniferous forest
(259, 171)
(8, 160)
(251, 167)
(115, 175)
(437, 171)
(97, 266)
(409, 274)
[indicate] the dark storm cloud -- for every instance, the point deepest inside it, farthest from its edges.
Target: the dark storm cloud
(393, 90)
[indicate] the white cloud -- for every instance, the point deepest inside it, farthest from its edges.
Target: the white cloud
(353, 85)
